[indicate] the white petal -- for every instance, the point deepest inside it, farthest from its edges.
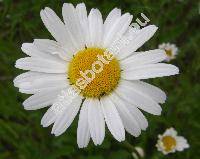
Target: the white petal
(66, 118)
(138, 115)
(52, 47)
(119, 27)
(34, 82)
(142, 58)
(48, 82)
(113, 119)
(83, 133)
(170, 132)
(73, 25)
(57, 28)
(40, 100)
(112, 17)
(41, 65)
(64, 98)
(95, 28)
(138, 98)
(40, 90)
(33, 51)
(83, 19)
(129, 121)
(150, 71)
(153, 92)
(26, 77)
(96, 121)
(48, 118)
(137, 40)
(181, 143)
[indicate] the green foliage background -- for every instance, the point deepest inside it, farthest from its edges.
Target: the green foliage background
(22, 136)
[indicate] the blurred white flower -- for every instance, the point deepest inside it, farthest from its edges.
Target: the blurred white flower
(170, 142)
(170, 49)
(140, 152)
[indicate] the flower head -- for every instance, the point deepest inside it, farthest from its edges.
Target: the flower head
(92, 66)
(170, 142)
(171, 50)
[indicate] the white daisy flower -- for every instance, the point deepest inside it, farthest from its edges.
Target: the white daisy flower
(171, 50)
(80, 53)
(170, 142)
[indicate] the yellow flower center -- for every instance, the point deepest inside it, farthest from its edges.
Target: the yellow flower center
(168, 52)
(95, 72)
(169, 143)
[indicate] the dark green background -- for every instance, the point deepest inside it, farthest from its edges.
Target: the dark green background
(22, 136)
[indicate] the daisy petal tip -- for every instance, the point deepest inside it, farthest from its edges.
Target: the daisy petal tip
(158, 113)
(23, 46)
(81, 5)
(56, 132)
(42, 13)
(52, 132)
(68, 5)
(53, 129)
(27, 107)
(81, 146)
(145, 128)
(17, 64)
(47, 9)
(56, 135)
(175, 70)
(121, 138)
(43, 125)
(154, 27)
(15, 83)
(96, 143)
(137, 135)
(25, 104)
(116, 11)
(162, 101)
